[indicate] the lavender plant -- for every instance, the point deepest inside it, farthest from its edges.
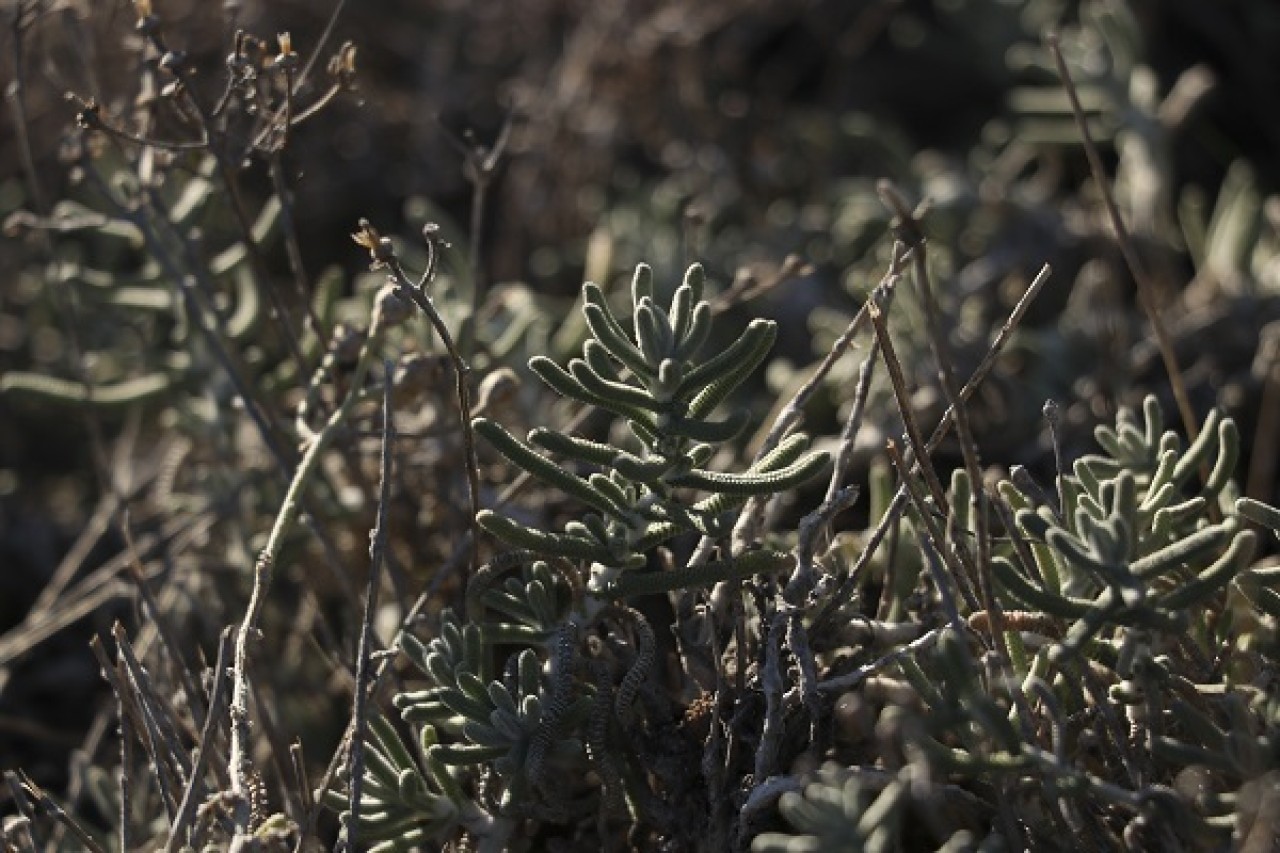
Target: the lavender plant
(1102, 688)
(651, 380)
(552, 673)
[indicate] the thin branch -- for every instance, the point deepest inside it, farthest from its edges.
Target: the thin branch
(969, 450)
(790, 412)
(90, 118)
(185, 285)
(771, 684)
(364, 674)
(903, 396)
(849, 433)
(932, 542)
(842, 683)
(48, 805)
(258, 264)
(17, 101)
(19, 796)
(293, 249)
(802, 579)
(158, 712)
(748, 287)
(383, 254)
(481, 165)
(329, 27)
(93, 591)
(899, 501)
(200, 755)
(240, 760)
(1146, 290)
(138, 574)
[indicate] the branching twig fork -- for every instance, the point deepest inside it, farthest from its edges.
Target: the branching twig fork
(900, 497)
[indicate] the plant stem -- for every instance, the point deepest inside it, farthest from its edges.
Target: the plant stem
(364, 673)
(1146, 292)
(241, 763)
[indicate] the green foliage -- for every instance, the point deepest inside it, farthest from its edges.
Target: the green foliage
(405, 807)
(1087, 663)
(526, 732)
(131, 257)
(517, 725)
(1113, 595)
(651, 379)
(564, 706)
(838, 811)
(1127, 547)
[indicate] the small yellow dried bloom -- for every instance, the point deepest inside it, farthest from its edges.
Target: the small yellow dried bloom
(287, 60)
(379, 247)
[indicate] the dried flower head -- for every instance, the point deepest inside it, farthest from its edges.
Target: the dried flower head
(287, 59)
(342, 66)
(148, 21)
(380, 249)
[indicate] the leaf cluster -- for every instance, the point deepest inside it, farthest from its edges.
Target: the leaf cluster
(651, 379)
